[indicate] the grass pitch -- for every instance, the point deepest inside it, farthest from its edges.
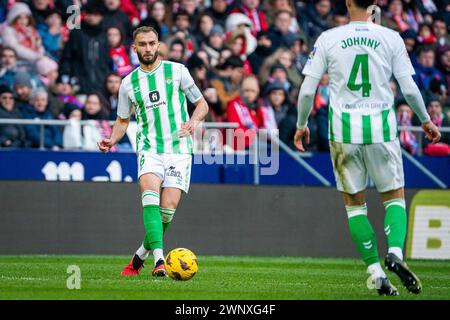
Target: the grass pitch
(237, 278)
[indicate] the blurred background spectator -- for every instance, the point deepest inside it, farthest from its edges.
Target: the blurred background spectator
(222, 42)
(11, 135)
(20, 33)
(8, 67)
(40, 109)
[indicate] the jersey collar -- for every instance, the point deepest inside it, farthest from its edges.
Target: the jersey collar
(150, 72)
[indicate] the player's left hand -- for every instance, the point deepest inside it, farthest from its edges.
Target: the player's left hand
(187, 128)
(299, 135)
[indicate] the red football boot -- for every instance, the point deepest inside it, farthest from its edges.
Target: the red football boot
(133, 268)
(159, 270)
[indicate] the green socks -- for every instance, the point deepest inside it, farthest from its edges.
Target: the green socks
(395, 223)
(156, 220)
(152, 221)
(362, 234)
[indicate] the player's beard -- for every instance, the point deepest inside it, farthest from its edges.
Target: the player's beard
(147, 61)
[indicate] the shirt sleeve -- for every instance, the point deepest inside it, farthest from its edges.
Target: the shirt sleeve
(401, 63)
(124, 104)
(186, 79)
(189, 87)
(317, 63)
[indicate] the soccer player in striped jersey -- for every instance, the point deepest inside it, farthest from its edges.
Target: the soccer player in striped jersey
(157, 90)
(361, 58)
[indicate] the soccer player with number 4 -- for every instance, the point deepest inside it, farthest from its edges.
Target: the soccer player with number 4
(361, 58)
(157, 90)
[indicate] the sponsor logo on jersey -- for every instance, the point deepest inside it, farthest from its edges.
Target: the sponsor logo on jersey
(154, 96)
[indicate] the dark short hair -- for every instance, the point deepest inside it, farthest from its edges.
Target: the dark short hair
(364, 3)
(426, 48)
(433, 98)
(94, 7)
(177, 41)
(233, 62)
(179, 13)
(10, 49)
(144, 29)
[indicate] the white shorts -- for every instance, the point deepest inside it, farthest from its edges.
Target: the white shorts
(174, 170)
(353, 164)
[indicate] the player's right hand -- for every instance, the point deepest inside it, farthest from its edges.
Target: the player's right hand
(431, 132)
(105, 145)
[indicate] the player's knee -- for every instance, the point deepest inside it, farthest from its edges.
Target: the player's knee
(393, 194)
(150, 197)
(357, 199)
(166, 214)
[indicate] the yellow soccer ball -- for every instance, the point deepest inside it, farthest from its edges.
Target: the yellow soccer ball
(181, 264)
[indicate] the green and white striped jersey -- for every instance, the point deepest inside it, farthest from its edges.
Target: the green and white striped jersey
(360, 58)
(160, 105)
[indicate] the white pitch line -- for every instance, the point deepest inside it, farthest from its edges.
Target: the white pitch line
(24, 278)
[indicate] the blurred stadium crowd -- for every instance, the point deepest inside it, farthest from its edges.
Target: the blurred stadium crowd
(59, 62)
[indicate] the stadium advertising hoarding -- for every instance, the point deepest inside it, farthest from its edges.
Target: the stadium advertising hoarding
(429, 225)
(122, 167)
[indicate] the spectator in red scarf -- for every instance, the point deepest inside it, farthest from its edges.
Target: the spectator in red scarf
(21, 35)
(245, 111)
(237, 44)
(252, 10)
(407, 139)
(118, 52)
(426, 34)
(396, 17)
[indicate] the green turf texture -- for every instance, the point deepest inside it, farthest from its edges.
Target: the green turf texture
(237, 278)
